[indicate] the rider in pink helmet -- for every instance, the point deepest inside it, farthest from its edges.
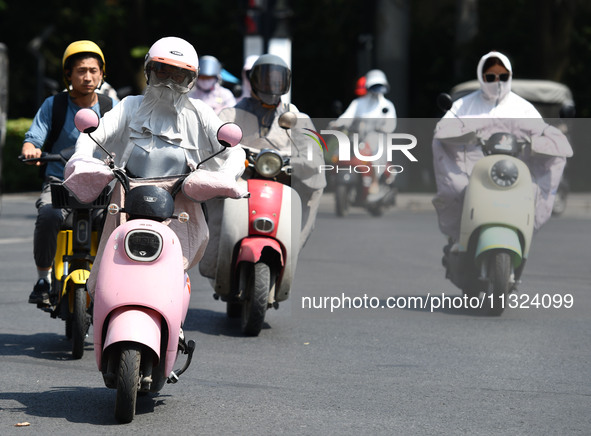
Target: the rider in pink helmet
(161, 135)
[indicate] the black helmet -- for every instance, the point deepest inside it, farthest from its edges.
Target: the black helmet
(270, 78)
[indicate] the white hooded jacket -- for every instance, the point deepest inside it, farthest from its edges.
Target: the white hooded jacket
(373, 111)
(493, 100)
(491, 109)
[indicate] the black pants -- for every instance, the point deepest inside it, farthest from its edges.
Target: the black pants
(47, 226)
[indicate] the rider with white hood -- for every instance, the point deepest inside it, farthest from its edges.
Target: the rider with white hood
(161, 135)
(373, 107)
(491, 109)
(370, 115)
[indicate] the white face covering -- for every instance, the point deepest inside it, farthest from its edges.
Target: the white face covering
(158, 115)
(496, 90)
(206, 84)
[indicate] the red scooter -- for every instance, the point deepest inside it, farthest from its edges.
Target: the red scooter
(261, 238)
(353, 180)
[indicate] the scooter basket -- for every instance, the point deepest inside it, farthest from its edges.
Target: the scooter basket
(62, 198)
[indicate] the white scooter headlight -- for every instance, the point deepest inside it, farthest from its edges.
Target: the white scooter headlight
(143, 245)
(504, 173)
(268, 163)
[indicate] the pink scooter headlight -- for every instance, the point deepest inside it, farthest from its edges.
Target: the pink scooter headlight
(143, 245)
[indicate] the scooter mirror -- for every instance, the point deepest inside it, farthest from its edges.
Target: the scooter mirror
(444, 101)
(567, 110)
(287, 120)
(86, 120)
(229, 134)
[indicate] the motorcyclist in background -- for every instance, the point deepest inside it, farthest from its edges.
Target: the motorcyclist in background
(370, 115)
(160, 135)
(83, 65)
(208, 88)
(270, 78)
(491, 109)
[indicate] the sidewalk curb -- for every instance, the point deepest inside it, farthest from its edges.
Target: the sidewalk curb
(578, 204)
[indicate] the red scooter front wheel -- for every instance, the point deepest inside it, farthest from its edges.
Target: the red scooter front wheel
(257, 281)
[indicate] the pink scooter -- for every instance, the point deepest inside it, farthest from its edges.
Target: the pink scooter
(142, 292)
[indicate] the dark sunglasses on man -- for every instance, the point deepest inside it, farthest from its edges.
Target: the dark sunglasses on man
(490, 77)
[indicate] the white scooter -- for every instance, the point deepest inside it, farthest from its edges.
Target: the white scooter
(497, 224)
(260, 236)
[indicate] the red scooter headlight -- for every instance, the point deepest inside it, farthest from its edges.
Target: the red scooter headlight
(268, 163)
(143, 245)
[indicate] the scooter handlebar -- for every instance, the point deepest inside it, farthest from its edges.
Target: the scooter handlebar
(45, 157)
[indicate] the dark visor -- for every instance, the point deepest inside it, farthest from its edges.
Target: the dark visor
(270, 79)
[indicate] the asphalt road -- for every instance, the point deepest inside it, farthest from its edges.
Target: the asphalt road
(410, 371)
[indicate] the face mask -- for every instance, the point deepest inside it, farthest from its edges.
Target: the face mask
(206, 84)
(496, 90)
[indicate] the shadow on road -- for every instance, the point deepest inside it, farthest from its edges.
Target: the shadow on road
(49, 346)
(98, 404)
(214, 323)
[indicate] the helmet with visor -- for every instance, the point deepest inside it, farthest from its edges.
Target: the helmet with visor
(270, 78)
(172, 62)
(210, 67)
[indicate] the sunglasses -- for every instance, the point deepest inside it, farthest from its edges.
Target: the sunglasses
(490, 77)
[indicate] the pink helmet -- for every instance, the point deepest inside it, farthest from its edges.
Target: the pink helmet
(177, 53)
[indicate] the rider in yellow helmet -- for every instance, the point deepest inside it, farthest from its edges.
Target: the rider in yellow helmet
(83, 73)
(79, 49)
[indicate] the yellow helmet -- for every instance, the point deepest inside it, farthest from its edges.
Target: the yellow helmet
(83, 46)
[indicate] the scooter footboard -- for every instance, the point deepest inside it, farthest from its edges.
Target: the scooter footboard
(134, 325)
(499, 237)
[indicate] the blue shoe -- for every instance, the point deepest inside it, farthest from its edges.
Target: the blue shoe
(40, 294)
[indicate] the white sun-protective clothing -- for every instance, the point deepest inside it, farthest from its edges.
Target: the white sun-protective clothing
(261, 130)
(162, 133)
(371, 115)
(213, 94)
(491, 109)
(208, 87)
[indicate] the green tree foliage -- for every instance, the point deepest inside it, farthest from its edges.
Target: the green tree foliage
(117, 27)
(17, 176)
(545, 39)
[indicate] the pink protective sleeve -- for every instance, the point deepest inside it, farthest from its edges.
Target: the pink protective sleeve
(202, 185)
(86, 177)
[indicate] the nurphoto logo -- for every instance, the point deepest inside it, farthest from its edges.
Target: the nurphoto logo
(388, 145)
